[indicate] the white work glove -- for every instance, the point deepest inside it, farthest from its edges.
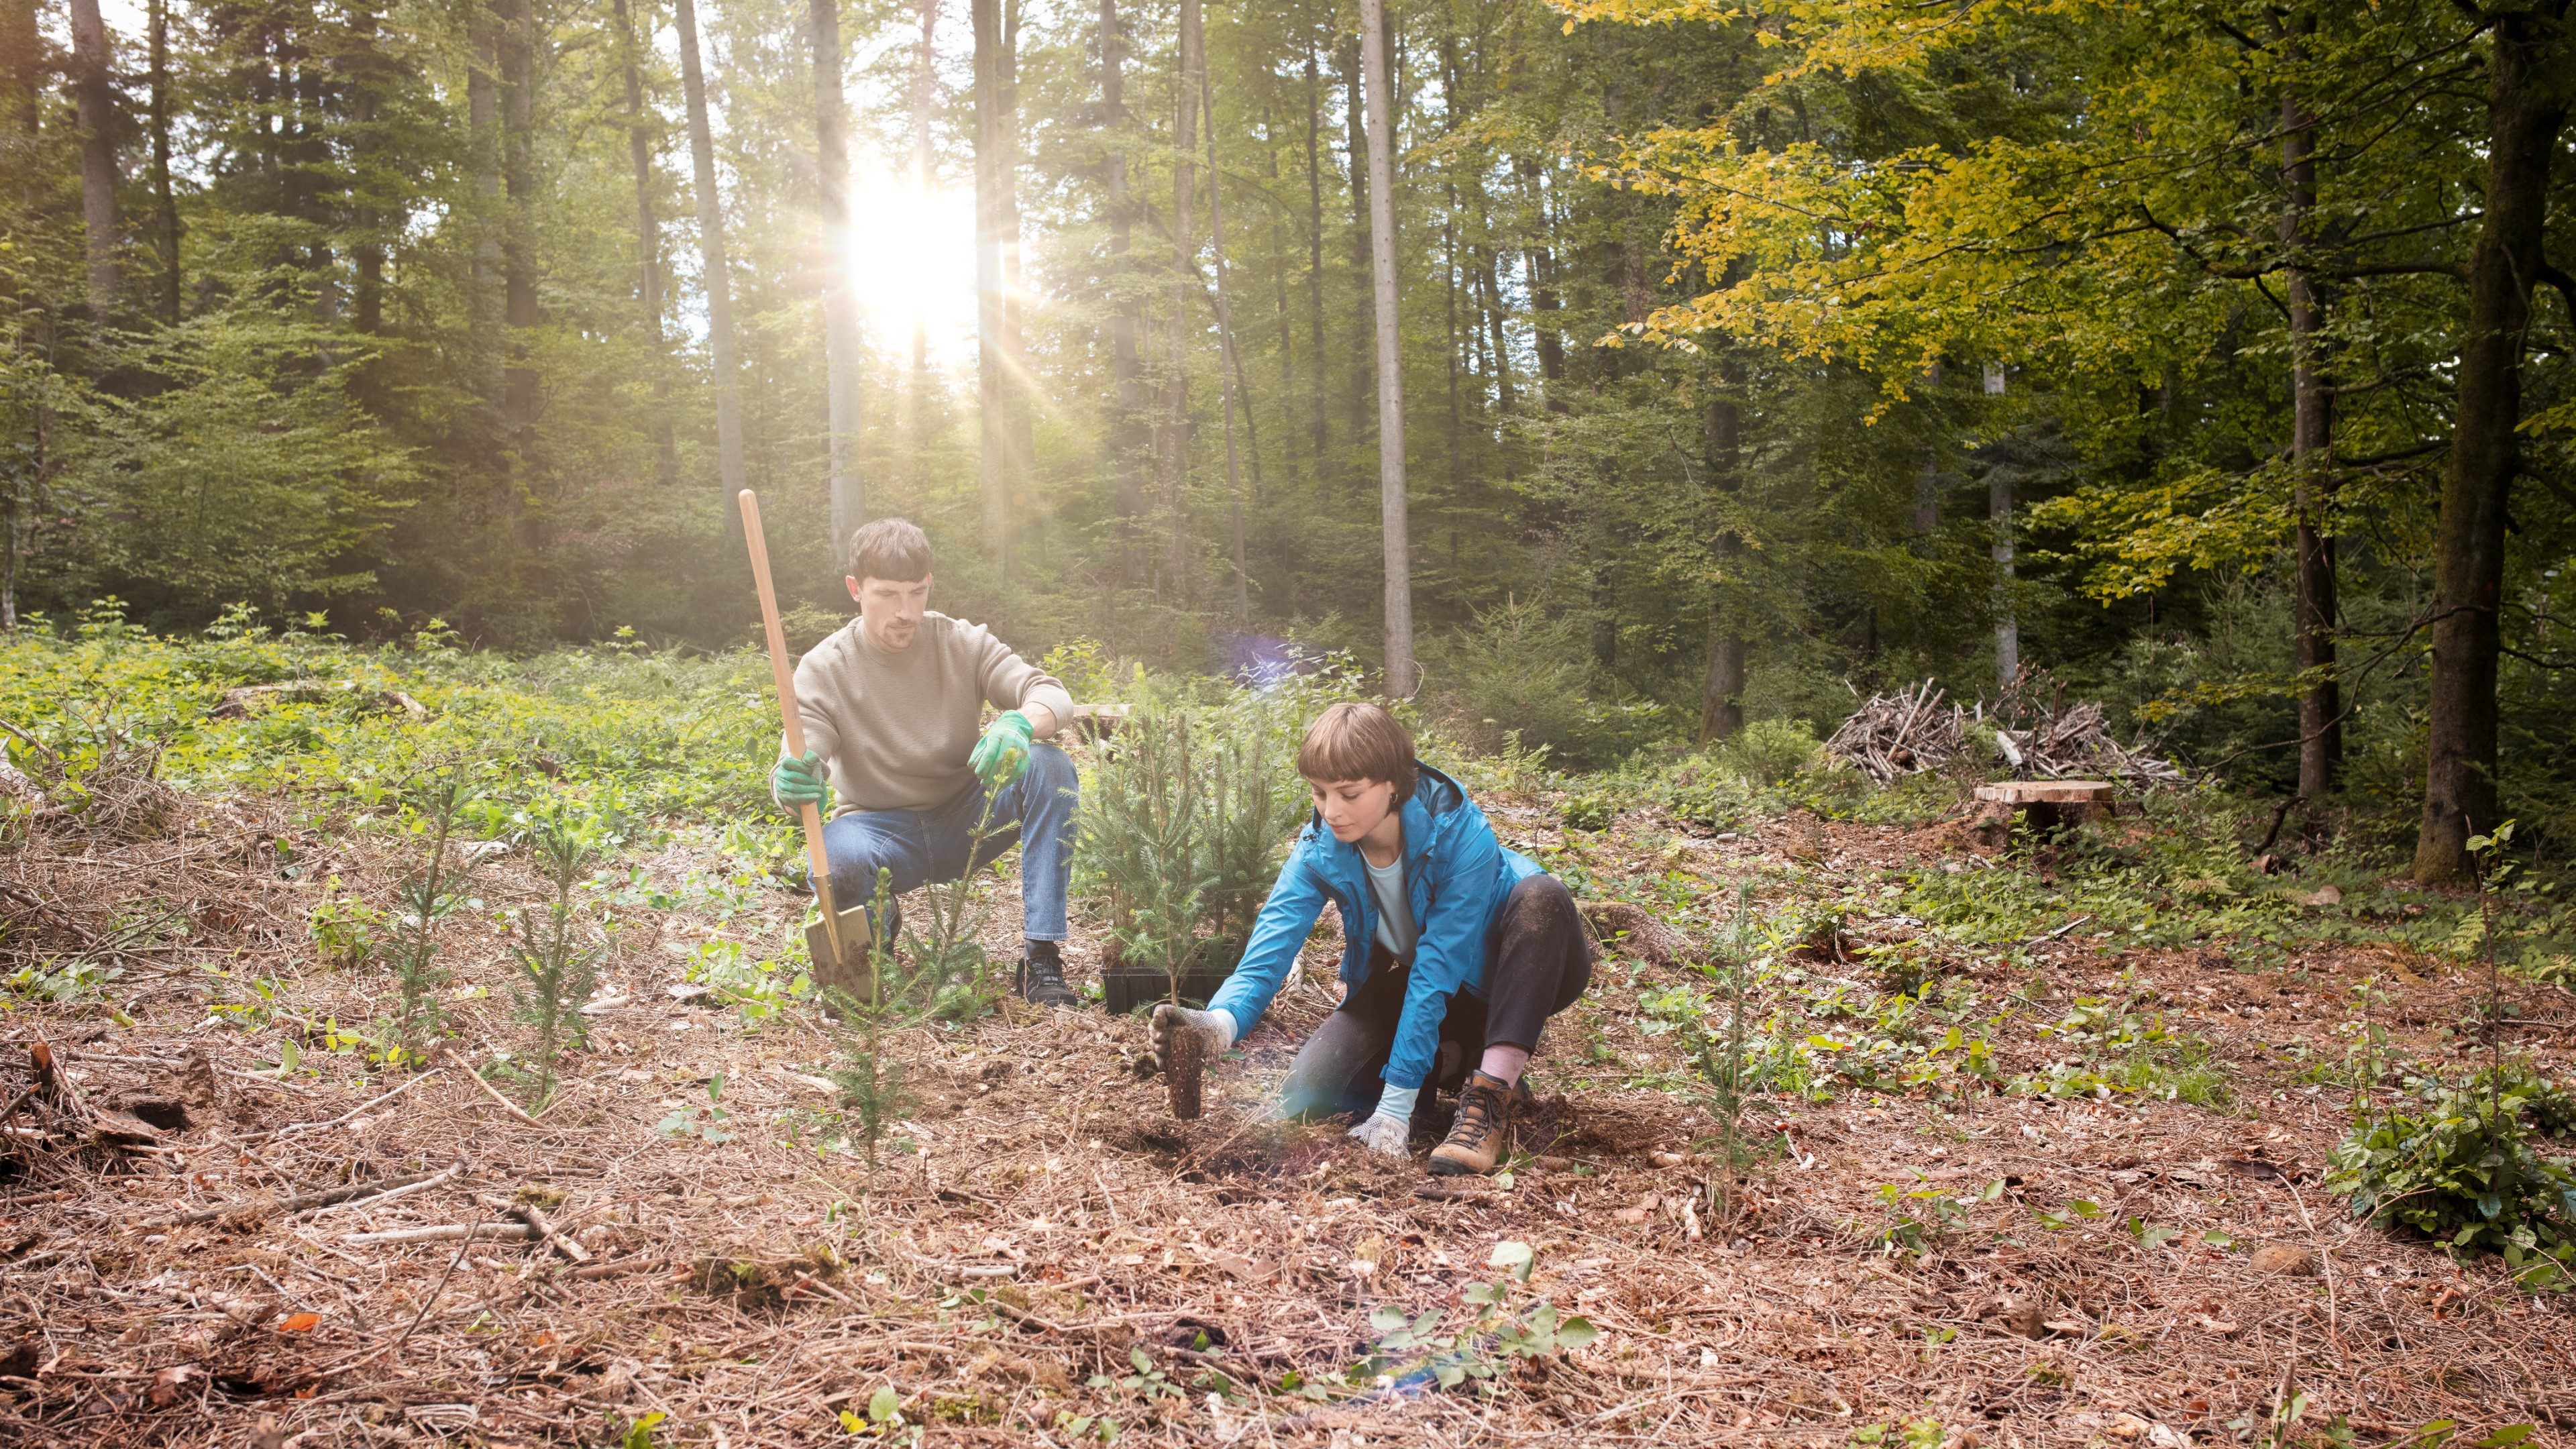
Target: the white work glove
(1219, 1026)
(1390, 1128)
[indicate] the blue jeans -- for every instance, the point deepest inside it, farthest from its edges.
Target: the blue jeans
(921, 846)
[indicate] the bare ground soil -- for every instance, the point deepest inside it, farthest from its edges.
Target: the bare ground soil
(1037, 1218)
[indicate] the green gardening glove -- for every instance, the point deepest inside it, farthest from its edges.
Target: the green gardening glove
(799, 783)
(1003, 751)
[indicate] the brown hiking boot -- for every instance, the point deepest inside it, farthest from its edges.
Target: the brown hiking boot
(1483, 1131)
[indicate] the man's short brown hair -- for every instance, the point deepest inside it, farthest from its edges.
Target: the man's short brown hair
(893, 549)
(1352, 741)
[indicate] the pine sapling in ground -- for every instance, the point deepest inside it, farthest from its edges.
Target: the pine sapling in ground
(426, 897)
(872, 1088)
(556, 968)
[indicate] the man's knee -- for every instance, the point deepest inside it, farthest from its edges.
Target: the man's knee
(1051, 772)
(855, 867)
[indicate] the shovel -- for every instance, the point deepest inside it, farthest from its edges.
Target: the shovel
(838, 940)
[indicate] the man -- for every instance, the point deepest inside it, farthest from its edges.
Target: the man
(1455, 951)
(891, 705)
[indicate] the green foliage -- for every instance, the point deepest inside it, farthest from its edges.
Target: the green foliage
(1769, 752)
(1521, 669)
(2465, 1167)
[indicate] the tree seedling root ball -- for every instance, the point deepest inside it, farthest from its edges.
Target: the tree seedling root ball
(1189, 1065)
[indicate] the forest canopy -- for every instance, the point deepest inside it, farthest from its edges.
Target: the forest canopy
(1670, 366)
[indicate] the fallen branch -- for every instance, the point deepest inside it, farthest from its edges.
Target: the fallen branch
(535, 1217)
(400, 1190)
(446, 1233)
(300, 1201)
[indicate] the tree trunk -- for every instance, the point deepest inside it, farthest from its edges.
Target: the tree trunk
(1019, 423)
(2311, 446)
(1999, 511)
(1355, 111)
(1126, 454)
(711, 254)
(483, 299)
(1315, 381)
(95, 95)
(648, 235)
(1401, 677)
(517, 53)
(1927, 482)
(2525, 111)
(1231, 383)
(840, 302)
(165, 203)
(22, 87)
(1175, 451)
(991, 383)
(925, 99)
(1721, 694)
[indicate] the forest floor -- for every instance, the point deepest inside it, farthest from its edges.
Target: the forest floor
(2066, 1193)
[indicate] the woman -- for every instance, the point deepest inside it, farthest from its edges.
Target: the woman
(1455, 950)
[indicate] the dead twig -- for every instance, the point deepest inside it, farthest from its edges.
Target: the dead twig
(513, 1108)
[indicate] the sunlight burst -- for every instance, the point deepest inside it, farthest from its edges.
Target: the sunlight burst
(912, 261)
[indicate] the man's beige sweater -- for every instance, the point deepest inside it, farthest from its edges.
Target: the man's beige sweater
(898, 727)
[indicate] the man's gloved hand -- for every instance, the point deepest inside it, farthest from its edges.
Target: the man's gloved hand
(799, 783)
(1219, 1026)
(1390, 1127)
(1004, 750)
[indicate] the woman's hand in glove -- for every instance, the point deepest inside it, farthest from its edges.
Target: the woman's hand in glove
(1168, 1019)
(1381, 1133)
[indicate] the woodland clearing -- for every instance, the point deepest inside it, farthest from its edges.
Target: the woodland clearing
(2034, 1158)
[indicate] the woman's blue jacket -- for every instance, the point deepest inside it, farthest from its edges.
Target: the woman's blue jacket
(1457, 877)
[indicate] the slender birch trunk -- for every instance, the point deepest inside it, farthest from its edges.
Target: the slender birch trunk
(1401, 676)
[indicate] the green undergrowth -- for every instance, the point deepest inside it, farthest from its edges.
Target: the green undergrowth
(621, 730)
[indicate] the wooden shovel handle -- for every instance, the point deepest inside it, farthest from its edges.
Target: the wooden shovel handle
(783, 675)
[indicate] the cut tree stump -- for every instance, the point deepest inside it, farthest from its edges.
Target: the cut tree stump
(2049, 805)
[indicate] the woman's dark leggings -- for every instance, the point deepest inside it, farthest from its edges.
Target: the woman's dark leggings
(1541, 967)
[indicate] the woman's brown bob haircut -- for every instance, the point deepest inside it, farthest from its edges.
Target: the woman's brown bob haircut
(893, 549)
(1358, 742)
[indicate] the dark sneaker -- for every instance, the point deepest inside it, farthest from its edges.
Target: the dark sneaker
(1483, 1131)
(1040, 978)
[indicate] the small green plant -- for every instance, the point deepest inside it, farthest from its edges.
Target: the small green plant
(1918, 1217)
(557, 969)
(705, 1124)
(2466, 1170)
(1923, 1433)
(1506, 1323)
(1098, 1427)
(639, 1434)
(1147, 1382)
(345, 929)
(884, 1419)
